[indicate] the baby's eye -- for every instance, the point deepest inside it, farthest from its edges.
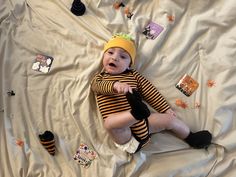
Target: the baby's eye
(110, 52)
(123, 56)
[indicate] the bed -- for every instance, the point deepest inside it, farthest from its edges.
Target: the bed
(194, 38)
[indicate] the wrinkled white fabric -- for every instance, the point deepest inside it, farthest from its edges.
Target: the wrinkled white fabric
(199, 40)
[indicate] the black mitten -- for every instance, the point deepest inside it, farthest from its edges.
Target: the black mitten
(139, 110)
(198, 140)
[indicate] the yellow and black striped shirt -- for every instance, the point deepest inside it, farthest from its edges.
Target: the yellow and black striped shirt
(110, 102)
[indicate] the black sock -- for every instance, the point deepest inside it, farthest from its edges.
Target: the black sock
(48, 141)
(139, 110)
(78, 8)
(198, 140)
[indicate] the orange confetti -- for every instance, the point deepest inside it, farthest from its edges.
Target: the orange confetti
(20, 143)
(116, 5)
(126, 10)
(211, 83)
(181, 103)
(197, 105)
(171, 18)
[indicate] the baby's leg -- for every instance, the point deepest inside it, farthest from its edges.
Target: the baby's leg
(118, 125)
(159, 122)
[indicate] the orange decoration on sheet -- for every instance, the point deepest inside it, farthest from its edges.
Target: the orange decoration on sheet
(116, 5)
(197, 105)
(211, 83)
(171, 18)
(126, 11)
(181, 103)
(20, 143)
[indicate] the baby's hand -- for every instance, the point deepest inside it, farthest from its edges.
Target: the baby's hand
(120, 87)
(170, 111)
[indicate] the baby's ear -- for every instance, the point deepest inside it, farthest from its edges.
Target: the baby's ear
(130, 64)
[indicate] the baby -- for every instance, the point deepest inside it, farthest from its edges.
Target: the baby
(121, 91)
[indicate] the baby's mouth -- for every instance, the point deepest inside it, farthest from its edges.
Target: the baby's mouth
(112, 65)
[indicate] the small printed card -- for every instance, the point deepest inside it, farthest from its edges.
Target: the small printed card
(42, 63)
(152, 30)
(84, 155)
(187, 85)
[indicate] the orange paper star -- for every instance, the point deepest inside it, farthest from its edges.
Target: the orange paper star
(20, 143)
(181, 103)
(197, 105)
(211, 83)
(171, 18)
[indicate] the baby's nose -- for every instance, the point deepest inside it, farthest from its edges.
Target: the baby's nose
(114, 58)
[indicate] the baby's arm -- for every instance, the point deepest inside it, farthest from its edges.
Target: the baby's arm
(101, 86)
(151, 95)
(120, 87)
(170, 111)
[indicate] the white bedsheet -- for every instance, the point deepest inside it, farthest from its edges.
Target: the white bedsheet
(198, 39)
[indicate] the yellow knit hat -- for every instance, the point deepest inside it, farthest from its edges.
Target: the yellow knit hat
(123, 41)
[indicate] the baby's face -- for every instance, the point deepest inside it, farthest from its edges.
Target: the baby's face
(116, 60)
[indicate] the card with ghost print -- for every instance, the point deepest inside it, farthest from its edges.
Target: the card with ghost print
(42, 63)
